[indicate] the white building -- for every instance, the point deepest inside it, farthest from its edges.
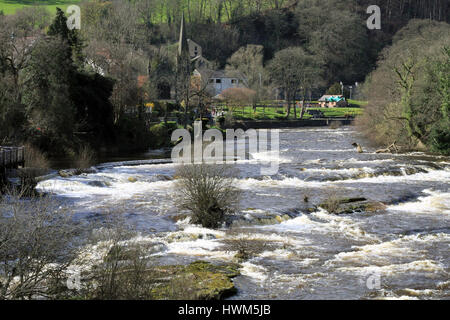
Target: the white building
(222, 80)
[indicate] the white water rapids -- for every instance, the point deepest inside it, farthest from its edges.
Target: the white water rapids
(302, 254)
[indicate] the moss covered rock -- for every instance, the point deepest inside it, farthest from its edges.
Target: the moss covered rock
(199, 280)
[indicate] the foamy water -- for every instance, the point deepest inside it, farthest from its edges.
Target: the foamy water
(433, 202)
(298, 252)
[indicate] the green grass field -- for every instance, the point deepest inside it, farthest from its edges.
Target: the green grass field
(339, 112)
(247, 113)
(357, 103)
(159, 14)
(10, 6)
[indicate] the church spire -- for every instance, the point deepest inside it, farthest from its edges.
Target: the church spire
(183, 48)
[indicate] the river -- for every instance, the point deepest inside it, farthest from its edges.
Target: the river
(399, 252)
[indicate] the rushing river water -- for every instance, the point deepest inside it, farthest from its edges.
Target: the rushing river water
(401, 251)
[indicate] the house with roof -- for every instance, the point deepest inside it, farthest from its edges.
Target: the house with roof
(220, 80)
(216, 81)
(332, 101)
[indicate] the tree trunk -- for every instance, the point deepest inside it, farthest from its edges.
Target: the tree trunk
(288, 109)
(303, 109)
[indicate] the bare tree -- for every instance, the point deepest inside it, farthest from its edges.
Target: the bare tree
(124, 64)
(201, 91)
(19, 33)
(37, 243)
(248, 61)
(293, 71)
(238, 97)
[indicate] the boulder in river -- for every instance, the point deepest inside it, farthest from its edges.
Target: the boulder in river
(199, 280)
(75, 172)
(351, 205)
(163, 177)
(257, 218)
(358, 147)
(99, 184)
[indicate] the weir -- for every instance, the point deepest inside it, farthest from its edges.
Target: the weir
(278, 124)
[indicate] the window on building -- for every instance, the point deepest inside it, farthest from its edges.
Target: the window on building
(234, 81)
(218, 80)
(211, 80)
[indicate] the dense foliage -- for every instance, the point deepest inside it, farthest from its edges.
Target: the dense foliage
(60, 88)
(409, 91)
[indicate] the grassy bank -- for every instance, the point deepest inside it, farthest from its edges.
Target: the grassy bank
(248, 113)
(10, 6)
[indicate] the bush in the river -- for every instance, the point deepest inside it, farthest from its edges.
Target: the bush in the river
(244, 247)
(331, 202)
(207, 191)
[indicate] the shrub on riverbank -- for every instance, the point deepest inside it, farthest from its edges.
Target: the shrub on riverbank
(160, 134)
(132, 134)
(35, 158)
(85, 157)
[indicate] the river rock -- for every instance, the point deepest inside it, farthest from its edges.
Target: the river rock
(358, 147)
(178, 217)
(163, 177)
(75, 172)
(258, 218)
(414, 170)
(64, 173)
(351, 205)
(100, 184)
(199, 280)
(386, 172)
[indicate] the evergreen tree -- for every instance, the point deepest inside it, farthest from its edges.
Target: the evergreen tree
(59, 28)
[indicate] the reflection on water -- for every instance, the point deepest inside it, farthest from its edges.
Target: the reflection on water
(307, 255)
